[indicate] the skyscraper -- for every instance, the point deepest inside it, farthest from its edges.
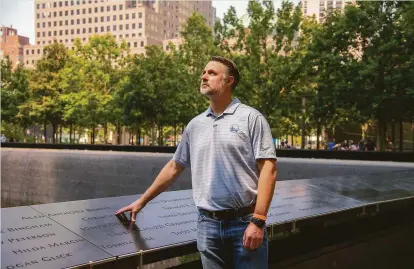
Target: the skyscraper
(319, 8)
(139, 23)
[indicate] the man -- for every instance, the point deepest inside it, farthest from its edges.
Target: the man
(232, 157)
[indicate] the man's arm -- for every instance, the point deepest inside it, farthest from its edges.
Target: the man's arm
(253, 236)
(168, 175)
(266, 187)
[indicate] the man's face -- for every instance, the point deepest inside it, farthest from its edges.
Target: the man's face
(213, 78)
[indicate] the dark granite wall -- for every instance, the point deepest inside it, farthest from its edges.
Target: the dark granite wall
(35, 176)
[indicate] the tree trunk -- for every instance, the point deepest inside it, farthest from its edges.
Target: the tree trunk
(119, 134)
(45, 131)
(393, 135)
(159, 135)
(70, 133)
(60, 134)
(54, 133)
(34, 133)
(318, 133)
(302, 122)
(175, 134)
(380, 134)
(93, 135)
(105, 133)
(401, 135)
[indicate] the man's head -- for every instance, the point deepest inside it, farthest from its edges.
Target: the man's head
(219, 75)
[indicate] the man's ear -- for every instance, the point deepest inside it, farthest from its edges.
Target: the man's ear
(230, 79)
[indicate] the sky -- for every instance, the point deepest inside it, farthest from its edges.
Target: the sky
(20, 13)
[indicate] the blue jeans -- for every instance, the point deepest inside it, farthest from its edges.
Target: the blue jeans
(220, 244)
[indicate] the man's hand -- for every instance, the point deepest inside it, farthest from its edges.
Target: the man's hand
(134, 208)
(253, 237)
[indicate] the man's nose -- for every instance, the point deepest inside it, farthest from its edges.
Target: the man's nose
(204, 77)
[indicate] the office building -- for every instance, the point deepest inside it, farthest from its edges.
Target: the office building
(12, 45)
(139, 23)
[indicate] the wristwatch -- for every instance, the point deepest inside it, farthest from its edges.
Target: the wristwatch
(258, 222)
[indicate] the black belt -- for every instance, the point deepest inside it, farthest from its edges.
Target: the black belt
(229, 214)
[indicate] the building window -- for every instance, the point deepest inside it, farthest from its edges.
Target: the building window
(120, 17)
(126, 16)
(78, 21)
(78, 31)
(38, 15)
(90, 30)
(108, 18)
(54, 33)
(108, 8)
(102, 19)
(72, 12)
(72, 22)
(60, 4)
(108, 28)
(126, 26)
(83, 30)
(61, 32)
(96, 19)
(142, 43)
(72, 31)
(127, 35)
(78, 12)
(139, 34)
(120, 27)
(114, 7)
(38, 34)
(140, 15)
(114, 18)
(129, 44)
(27, 52)
(54, 4)
(96, 10)
(66, 22)
(133, 15)
(90, 10)
(133, 35)
(90, 20)
(102, 9)
(66, 13)
(60, 14)
(133, 26)
(135, 44)
(38, 25)
(140, 25)
(102, 29)
(120, 7)
(96, 29)
(83, 20)
(114, 28)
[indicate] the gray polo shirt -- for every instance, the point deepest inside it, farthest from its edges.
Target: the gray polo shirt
(222, 153)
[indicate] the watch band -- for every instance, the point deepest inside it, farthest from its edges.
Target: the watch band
(258, 222)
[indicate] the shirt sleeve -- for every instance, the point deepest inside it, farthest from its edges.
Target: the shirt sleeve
(182, 154)
(261, 139)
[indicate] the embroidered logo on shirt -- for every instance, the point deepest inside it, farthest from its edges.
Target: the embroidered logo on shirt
(234, 128)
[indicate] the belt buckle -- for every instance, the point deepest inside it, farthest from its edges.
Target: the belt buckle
(214, 215)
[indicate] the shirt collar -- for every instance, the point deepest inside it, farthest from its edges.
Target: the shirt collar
(231, 108)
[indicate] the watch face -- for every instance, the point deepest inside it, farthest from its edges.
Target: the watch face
(258, 222)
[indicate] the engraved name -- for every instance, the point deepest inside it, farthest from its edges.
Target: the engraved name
(33, 237)
(28, 227)
(172, 200)
(178, 214)
(177, 206)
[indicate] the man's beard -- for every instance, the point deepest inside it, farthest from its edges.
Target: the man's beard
(207, 90)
